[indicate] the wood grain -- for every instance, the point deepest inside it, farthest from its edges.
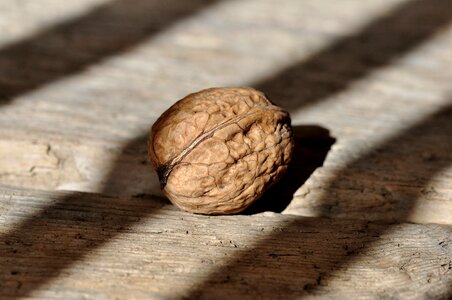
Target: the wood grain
(364, 211)
(75, 244)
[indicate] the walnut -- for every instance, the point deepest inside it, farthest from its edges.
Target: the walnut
(218, 150)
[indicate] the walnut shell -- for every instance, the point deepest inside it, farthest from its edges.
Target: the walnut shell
(216, 151)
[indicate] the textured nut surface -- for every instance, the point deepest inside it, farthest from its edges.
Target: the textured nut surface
(218, 150)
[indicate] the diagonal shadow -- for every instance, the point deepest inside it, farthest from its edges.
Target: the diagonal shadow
(73, 45)
(42, 246)
(68, 229)
(53, 253)
(320, 76)
(71, 228)
(303, 264)
(332, 70)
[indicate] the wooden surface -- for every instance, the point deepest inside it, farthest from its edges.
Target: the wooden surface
(365, 210)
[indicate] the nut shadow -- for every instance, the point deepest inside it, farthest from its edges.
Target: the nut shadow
(285, 262)
(302, 256)
(29, 263)
(311, 146)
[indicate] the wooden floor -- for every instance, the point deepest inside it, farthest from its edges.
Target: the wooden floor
(365, 211)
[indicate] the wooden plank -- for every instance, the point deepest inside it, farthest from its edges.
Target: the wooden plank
(69, 245)
(369, 79)
(368, 87)
(382, 184)
(406, 177)
(57, 163)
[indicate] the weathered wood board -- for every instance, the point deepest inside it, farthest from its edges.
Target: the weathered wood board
(84, 245)
(369, 88)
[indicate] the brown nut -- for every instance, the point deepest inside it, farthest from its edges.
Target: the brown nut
(218, 150)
